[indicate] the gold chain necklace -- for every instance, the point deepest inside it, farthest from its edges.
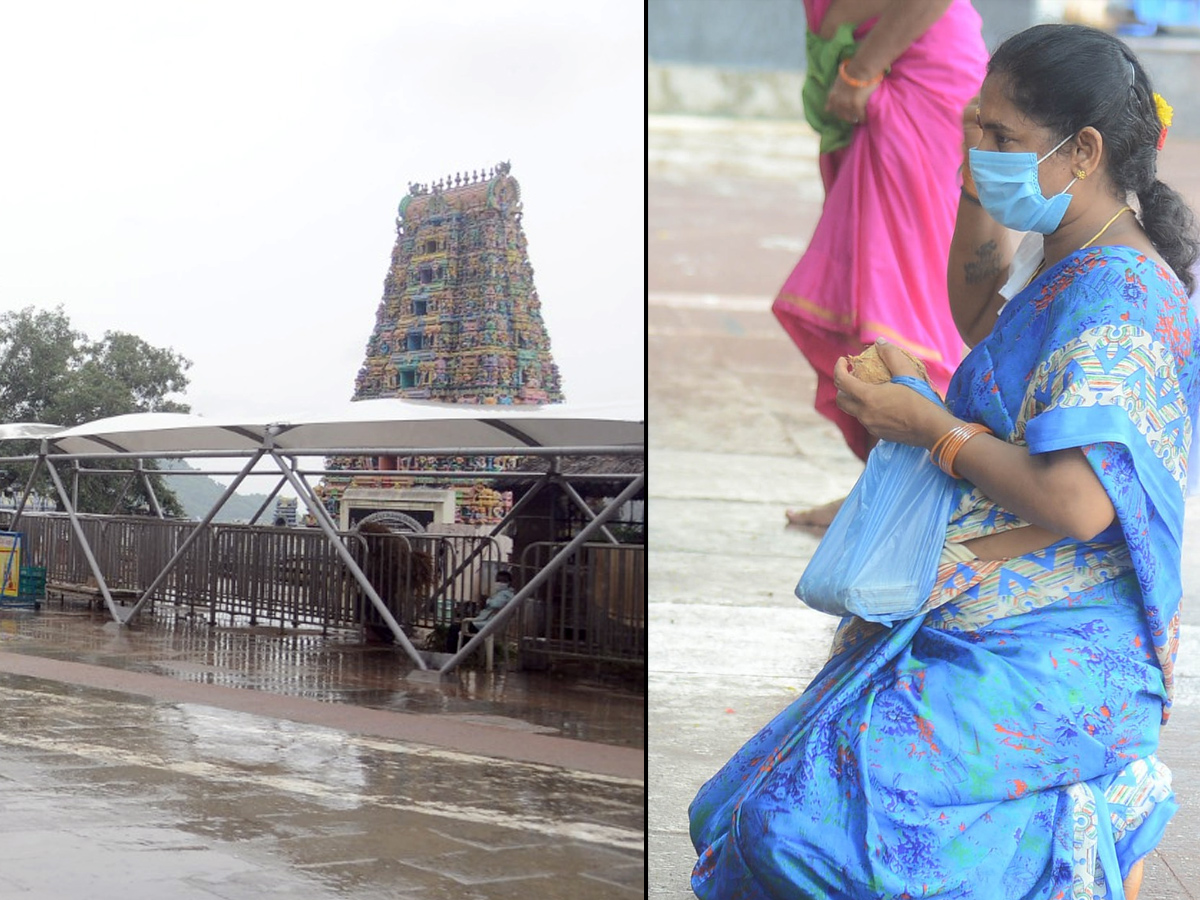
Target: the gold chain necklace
(1099, 234)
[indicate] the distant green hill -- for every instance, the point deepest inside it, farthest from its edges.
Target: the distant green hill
(197, 494)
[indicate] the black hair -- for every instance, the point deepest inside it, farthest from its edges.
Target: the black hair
(1069, 77)
(506, 575)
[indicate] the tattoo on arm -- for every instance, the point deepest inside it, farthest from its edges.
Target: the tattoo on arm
(986, 265)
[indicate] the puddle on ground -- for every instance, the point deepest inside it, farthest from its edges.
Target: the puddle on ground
(332, 668)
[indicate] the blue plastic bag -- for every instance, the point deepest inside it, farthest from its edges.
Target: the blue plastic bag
(878, 560)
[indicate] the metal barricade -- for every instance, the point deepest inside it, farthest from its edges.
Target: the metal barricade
(264, 575)
(592, 607)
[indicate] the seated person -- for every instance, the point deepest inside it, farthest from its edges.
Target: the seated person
(502, 593)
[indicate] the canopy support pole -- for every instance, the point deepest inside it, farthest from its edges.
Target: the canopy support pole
(509, 517)
(149, 486)
(300, 486)
(587, 510)
(101, 584)
(266, 503)
(29, 482)
(126, 481)
(496, 622)
(193, 534)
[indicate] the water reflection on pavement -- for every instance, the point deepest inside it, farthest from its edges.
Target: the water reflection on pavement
(108, 793)
(328, 668)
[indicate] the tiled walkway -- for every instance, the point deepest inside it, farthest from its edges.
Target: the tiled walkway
(176, 760)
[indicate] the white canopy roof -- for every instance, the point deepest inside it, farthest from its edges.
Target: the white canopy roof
(367, 425)
(24, 431)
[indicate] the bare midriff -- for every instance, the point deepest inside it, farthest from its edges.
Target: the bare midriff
(1016, 542)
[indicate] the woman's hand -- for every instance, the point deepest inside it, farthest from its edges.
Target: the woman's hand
(847, 102)
(889, 411)
(1057, 491)
(897, 24)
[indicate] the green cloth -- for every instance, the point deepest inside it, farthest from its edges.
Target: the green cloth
(824, 57)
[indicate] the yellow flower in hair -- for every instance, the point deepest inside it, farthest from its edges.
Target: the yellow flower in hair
(1164, 110)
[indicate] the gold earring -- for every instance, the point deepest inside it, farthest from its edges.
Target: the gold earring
(1080, 173)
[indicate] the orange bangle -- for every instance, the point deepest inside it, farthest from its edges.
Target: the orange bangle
(936, 451)
(945, 450)
(854, 82)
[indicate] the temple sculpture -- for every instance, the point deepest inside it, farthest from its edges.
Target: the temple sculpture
(460, 319)
(459, 322)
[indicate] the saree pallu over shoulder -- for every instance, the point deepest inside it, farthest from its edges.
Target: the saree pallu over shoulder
(1002, 745)
(1101, 353)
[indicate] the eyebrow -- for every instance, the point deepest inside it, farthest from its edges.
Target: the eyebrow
(995, 127)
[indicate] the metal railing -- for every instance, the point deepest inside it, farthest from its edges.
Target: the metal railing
(593, 607)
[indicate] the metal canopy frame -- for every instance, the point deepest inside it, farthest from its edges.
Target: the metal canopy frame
(405, 429)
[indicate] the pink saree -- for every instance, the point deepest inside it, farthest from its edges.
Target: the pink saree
(876, 264)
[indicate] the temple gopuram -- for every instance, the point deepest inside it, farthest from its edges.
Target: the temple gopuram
(459, 322)
(460, 319)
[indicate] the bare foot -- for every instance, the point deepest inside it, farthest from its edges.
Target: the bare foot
(817, 518)
(1133, 882)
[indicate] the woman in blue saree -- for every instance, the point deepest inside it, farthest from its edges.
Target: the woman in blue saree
(1002, 744)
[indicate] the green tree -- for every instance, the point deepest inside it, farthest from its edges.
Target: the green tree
(53, 374)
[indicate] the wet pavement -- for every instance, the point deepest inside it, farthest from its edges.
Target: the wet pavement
(173, 759)
(735, 442)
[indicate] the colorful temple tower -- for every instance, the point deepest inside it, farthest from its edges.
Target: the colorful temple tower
(459, 322)
(460, 319)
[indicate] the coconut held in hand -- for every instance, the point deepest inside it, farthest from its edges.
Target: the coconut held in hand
(867, 366)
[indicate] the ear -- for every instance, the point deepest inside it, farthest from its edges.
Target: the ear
(1089, 149)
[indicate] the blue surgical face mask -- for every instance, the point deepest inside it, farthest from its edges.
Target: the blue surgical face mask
(1011, 193)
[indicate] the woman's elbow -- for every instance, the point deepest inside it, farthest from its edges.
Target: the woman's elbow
(1075, 496)
(1086, 524)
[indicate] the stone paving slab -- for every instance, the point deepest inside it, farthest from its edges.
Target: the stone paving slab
(109, 794)
(195, 762)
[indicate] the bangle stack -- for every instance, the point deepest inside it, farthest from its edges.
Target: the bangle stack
(855, 82)
(945, 450)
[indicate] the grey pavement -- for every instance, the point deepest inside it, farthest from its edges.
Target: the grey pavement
(173, 759)
(735, 442)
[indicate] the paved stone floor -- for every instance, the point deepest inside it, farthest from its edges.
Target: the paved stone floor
(175, 760)
(734, 442)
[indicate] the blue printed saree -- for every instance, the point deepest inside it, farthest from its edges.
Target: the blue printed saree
(1002, 744)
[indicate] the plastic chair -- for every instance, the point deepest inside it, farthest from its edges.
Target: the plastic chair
(489, 643)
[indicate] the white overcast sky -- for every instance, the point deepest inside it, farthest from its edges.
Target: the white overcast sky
(222, 177)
